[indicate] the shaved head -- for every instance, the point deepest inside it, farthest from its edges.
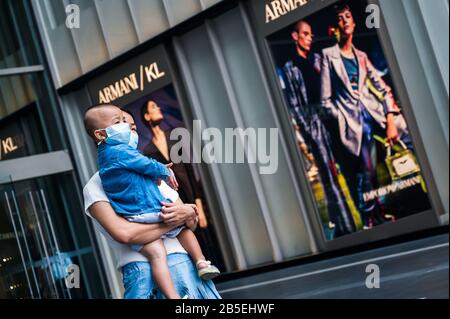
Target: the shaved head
(300, 24)
(101, 116)
(303, 37)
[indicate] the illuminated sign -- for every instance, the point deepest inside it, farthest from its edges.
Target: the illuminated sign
(137, 77)
(278, 8)
(130, 83)
(9, 145)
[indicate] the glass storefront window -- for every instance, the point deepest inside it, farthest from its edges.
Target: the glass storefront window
(16, 43)
(31, 93)
(41, 241)
(16, 92)
(18, 137)
(44, 234)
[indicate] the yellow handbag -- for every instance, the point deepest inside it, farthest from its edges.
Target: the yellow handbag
(401, 164)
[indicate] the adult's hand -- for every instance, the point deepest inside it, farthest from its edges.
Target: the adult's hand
(391, 129)
(178, 214)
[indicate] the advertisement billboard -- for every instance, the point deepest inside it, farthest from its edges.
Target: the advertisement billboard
(346, 116)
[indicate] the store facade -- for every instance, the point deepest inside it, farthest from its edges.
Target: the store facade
(42, 234)
(236, 64)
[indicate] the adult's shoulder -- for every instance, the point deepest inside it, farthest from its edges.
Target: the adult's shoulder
(360, 54)
(92, 183)
(93, 192)
(330, 51)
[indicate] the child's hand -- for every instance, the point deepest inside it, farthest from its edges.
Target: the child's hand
(171, 180)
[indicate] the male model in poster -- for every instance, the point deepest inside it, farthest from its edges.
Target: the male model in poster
(346, 81)
(300, 80)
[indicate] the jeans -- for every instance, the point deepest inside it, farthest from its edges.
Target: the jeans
(366, 175)
(139, 284)
(338, 211)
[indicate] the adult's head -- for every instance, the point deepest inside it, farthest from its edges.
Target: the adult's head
(129, 118)
(151, 113)
(345, 20)
(303, 37)
(99, 117)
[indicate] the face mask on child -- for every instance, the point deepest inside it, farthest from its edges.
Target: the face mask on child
(119, 134)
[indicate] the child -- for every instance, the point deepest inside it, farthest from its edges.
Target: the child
(130, 180)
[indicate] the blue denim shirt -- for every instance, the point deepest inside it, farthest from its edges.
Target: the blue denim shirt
(129, 179)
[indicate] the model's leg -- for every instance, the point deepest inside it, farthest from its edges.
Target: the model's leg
(367, 174)
(156, 253)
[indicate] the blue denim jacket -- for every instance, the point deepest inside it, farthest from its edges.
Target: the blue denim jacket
(129, 179)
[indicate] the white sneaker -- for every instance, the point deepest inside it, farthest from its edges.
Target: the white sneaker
(209, 272)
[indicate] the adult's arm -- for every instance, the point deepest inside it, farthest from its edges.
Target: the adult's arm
(124, 231)
(382, 87)
(390, 106)
(326, 88)
(179, 213)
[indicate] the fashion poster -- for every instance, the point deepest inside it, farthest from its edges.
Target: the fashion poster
(348, 120)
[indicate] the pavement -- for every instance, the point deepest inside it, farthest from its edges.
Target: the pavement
(413, 270)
